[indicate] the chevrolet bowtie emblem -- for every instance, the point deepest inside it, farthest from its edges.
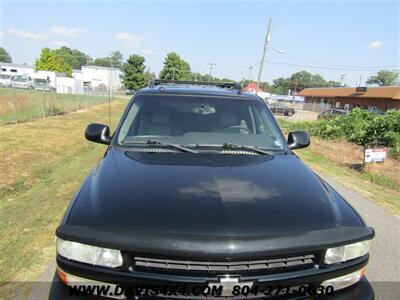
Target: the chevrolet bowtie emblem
(228, 283)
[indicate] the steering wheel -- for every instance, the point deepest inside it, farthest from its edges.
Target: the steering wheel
(238, 127)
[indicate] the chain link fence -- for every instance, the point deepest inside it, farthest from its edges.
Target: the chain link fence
(17, 105)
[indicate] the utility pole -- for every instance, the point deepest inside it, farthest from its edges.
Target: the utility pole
(341, 79)
(296, 82)
(359, 81)
(267, 39)
(251, 70)
(212, 65)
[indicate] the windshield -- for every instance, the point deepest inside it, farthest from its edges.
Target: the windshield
(194, 121)
(20, 78)
(40, 81)
(3, 76)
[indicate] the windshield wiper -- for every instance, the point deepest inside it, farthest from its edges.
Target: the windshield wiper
(243, 147)
(162, 144)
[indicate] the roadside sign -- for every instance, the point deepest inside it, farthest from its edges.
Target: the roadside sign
(372, 155)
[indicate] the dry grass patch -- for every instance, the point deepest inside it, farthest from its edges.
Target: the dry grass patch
(46, 162)
(351, 156)
(31, 150)
(378, 182)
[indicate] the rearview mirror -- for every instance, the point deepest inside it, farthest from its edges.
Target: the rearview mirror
(98, 133)
(298, 139)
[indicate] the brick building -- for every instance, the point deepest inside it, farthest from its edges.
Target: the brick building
(383, 98)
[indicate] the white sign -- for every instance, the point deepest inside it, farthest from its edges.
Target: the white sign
(375, 155)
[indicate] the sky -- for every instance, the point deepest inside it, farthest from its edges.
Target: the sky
(331, 38)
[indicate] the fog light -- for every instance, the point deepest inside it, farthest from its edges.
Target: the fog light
(344, 281)
(94, 287)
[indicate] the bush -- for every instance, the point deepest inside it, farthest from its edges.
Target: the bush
(359, 126)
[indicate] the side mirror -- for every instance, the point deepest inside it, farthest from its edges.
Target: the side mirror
(98, 133)
(298, 139)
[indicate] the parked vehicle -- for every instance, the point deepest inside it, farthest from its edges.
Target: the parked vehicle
(332, 113)
(376, 110)
(198, 188)
(5, 80)
(22, 82)
(129, 92)
(280, 109)
(41, 84)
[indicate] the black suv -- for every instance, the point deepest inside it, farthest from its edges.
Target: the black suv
(199, 195)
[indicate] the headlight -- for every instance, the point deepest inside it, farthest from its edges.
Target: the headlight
(89, 254)
(347, 252)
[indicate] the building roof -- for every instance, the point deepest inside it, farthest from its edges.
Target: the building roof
(391, 92)
(99, 67)
(17, 65)
(252, 86)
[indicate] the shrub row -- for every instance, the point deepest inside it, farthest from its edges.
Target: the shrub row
(358, 126)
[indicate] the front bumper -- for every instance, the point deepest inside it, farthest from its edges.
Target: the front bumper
(362, 290)
(314, 276)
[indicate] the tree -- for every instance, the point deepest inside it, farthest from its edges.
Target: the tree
(81, 57)
(74, 58)
(175, 68)
(50, 61)
(299, 81)
(281, 85)
(116, 59)
(5, 56)
(384, 78)
(133, 72)
(150, 75)
(102, 61)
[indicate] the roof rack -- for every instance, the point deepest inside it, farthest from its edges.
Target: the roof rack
(226, 85)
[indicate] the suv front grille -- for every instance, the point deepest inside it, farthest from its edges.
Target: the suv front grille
(281, 264)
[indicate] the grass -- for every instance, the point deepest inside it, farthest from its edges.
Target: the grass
(378, 188)
(46, 162)
(344, 161)
(32, 104)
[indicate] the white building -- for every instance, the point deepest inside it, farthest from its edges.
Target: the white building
(91, 77)
(97, 77)
(29, 70)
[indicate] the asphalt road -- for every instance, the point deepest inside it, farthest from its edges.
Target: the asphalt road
(383, 270)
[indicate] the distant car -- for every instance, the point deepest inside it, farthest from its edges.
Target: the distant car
(129, 92)
(332, 113)
(41, 84)
(281, 109)
(5, 80)
(376, 111)
(22, 82)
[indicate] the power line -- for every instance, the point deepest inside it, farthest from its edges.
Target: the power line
(332, 65)
(325, 68)
(252, 66)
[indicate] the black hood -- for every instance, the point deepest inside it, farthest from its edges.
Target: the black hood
(208, 194)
